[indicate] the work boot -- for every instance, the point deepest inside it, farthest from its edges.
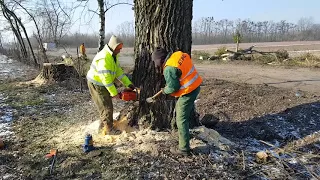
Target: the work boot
(176, 151)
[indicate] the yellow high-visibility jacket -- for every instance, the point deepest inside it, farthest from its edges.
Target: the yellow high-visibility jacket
(104, 69)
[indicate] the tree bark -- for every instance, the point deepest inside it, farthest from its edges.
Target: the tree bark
(164, 23)
(102, 24)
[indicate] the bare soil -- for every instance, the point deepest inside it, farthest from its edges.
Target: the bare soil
(295, 78)
(57, 115)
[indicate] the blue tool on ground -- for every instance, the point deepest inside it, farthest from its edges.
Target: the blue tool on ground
(88, 143)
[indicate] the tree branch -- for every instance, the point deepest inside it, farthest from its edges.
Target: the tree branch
(117, 5)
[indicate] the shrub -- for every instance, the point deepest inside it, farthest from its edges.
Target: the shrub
(282, 54)
(265, 59)
(220, 51)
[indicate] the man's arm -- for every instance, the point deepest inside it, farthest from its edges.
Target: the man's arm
(172, 76)
(122, 77)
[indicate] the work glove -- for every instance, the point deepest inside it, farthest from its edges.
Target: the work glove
(118, 96)
(162, 89)
(132, 87)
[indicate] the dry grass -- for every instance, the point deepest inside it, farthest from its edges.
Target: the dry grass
(305, 60)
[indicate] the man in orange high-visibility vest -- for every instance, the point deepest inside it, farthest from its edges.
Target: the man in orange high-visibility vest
(82, 50)
(183, 82)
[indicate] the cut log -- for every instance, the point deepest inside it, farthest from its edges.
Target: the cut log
(57, 72)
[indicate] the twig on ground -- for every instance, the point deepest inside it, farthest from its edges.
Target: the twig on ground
(271, 145)
(243, 161)
(254, 173)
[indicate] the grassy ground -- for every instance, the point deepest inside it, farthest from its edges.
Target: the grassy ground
(56, 116)
(51, 116)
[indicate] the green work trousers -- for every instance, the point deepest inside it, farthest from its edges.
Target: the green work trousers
(102, 99)
(184, 107)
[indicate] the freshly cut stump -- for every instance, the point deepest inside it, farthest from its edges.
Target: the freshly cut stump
(57, 72)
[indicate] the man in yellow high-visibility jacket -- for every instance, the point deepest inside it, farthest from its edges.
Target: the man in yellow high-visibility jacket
(103, 71)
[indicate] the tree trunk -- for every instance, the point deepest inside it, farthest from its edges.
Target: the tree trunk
(39, 38)
(164, 23)
(237, 48)
(14, 27)
(29, 43)
(19, 22)
(102, 24)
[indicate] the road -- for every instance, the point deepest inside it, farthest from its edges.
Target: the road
(294, 78)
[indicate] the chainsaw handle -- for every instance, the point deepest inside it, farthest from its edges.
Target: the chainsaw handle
(158, 94)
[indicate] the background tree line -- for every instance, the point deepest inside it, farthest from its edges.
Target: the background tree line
(210, 31)
(125, 31)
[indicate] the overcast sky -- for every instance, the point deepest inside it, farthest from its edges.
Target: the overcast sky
(276, 10)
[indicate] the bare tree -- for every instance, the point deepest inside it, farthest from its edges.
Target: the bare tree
(103, 7)
(126, 32)
(39, 38)
(16, 24)
(55, 19)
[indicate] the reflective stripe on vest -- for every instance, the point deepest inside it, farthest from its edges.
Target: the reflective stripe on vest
(190, 82)
(98, 83)
(120, 77)
(102, 71)
(191, 71)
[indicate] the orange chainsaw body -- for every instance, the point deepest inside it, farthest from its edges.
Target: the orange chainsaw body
(130, 96)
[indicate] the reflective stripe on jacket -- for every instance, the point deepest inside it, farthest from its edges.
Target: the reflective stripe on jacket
(104, 70)
(190, 79)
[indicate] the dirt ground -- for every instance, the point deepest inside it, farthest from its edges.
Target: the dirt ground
(250, 113)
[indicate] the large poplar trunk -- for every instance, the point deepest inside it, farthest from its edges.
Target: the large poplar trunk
(164, 23)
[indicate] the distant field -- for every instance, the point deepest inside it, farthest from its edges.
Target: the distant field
(295, 48)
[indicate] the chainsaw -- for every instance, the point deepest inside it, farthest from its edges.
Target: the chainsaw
(134, 95)
(130, 95)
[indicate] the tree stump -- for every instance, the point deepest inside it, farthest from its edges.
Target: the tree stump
(57, 72)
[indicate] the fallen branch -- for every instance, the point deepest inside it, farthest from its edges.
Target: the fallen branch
(243, 161)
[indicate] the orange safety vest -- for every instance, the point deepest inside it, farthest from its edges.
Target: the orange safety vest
(82, 49)
(190, 79)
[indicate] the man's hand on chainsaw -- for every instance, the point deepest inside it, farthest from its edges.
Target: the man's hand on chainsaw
(118, 96)
(132, 87)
